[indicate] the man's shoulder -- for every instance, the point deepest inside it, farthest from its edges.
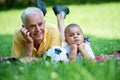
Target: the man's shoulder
(52, 29)
(18, 34)
(50, 26)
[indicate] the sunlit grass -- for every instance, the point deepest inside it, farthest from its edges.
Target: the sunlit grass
(10, 20)
(98, 21)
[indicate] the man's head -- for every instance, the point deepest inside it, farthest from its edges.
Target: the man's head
(33, 21)
(73, 34)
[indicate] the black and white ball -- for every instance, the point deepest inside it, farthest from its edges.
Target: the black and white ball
(56, 54)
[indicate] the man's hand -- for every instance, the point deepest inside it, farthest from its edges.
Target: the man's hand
(26, 35)
(29, 42)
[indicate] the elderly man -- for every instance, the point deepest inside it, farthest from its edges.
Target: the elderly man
(35, 37)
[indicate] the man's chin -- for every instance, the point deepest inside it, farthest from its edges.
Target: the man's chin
(38, 40)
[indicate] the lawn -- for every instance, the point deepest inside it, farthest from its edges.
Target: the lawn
(101, 22)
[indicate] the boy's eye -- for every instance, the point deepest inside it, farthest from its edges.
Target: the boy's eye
(78, 33)
(71, 35)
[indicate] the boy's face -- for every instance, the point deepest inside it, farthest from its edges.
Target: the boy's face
(74, 36)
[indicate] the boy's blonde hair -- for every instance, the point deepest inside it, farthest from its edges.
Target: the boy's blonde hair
(72, 25)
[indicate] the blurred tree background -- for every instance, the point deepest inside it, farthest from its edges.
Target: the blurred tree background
(13, 4)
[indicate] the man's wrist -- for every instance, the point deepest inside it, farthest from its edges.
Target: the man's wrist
(28, 49)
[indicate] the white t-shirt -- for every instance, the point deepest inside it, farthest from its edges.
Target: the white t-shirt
(79, 55)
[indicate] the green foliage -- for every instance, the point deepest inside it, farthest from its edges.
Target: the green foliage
(67, 2)
(16, 4)
(99, 21)
(5, 44)
(42, 70)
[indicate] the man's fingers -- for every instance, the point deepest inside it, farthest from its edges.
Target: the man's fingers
(28, 34)
(24, 31)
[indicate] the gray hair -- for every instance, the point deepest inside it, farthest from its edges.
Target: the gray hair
(29, 11)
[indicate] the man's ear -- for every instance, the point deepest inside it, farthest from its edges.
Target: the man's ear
(23, 26)
(44, 21)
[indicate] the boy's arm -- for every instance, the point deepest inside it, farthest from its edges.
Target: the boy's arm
(83, 51)
(73, 53)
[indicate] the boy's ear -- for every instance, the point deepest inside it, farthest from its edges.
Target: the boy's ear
(65, 40)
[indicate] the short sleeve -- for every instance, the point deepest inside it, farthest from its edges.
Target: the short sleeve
(18, 45)
(89, 50)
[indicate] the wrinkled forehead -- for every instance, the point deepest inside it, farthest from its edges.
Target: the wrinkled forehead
(30, 11)
(34, 14)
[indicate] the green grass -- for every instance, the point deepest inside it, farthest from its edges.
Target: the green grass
(99, 21)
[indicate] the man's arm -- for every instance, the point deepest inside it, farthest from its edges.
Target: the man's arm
(21, 47)
(18, 45)
(29, 45)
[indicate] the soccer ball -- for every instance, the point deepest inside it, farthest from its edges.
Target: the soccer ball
(56, 54)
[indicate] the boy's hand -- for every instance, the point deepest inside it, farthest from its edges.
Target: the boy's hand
(73, 54)
(81, 47)
(73, 47)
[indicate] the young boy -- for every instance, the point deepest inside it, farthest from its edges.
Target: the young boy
(72, 37)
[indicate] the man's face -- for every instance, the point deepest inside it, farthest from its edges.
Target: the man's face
(36, 26)
(74, 36)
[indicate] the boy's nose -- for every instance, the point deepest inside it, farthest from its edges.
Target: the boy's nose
(76, 36)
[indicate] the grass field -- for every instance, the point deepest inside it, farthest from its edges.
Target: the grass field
(101, 22)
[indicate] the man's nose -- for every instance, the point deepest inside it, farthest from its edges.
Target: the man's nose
(37, 28)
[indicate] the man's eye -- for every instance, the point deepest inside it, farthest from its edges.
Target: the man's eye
(32, 26)
(40, 24)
